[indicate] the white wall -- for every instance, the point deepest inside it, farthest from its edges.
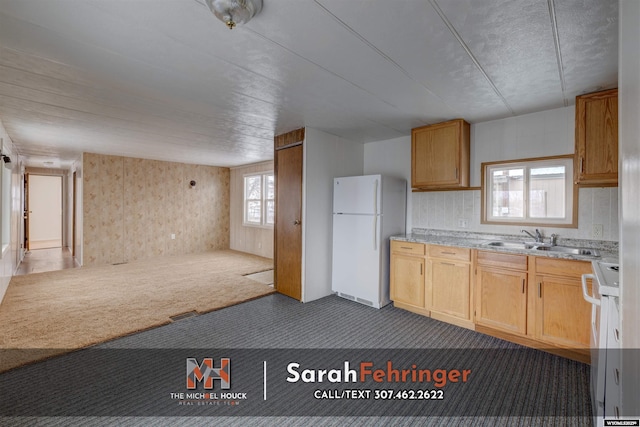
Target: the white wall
(546, 133)
(391, 158)
(539, 134)
(629, 131)
(325, 157)
(12, 253)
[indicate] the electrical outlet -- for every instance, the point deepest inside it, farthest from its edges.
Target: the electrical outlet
(173, 236)
(596, 231)
(463, 223)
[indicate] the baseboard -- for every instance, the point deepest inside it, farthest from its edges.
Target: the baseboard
(45, 244)
(468, 324)
(411, 308)
(580, 355)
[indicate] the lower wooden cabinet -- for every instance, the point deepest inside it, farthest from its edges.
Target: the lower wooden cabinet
(407, 273)
(407, 280)
(563, 317)
(531, 300)
(501, 299)
(501, 291)
(448, 285)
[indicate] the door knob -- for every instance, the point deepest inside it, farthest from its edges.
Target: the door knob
(296, 222)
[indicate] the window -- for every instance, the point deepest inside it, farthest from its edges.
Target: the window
(530, 191)
(259, 199)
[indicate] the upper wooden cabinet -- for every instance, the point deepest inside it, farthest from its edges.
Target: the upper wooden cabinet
(596, 161)
(440, 156)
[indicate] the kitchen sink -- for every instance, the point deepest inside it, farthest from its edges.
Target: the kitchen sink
(512, 245)
(544, 247)
(570, 250)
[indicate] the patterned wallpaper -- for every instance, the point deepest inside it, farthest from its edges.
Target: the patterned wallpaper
(131, 207)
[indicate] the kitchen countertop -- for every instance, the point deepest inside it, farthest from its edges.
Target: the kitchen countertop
(608, 250)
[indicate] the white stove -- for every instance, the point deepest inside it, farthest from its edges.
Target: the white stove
(608, 275)
(605, 339)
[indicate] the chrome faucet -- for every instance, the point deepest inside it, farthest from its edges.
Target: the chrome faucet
(538, 237)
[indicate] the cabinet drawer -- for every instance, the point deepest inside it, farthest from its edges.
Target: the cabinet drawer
(407, 247)
(562, 267)
(449, 252)
(497, 259)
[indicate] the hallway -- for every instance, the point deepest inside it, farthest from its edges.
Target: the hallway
(41, 260)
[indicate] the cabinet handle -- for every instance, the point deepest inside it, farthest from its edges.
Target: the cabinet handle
(448, 253)
(446, 263)
(456, 173)
(421, 269)
(617, 412)
(523, 280)
(539, 289)
(616, 377)
(406, 247)
(581, 164)
(616, 334)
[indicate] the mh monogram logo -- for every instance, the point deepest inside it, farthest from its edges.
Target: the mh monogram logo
(206, 372)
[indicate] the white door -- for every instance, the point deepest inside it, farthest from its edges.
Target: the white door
(45, 211)
(357, 195)
(356, 257)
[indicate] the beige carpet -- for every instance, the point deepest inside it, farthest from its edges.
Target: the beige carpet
(63, 310)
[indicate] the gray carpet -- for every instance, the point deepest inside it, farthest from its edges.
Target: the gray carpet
(558, 385)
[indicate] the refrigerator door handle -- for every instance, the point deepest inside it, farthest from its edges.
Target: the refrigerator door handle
(375, 233)
(375, 197)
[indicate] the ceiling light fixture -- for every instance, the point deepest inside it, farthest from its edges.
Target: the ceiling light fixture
(234, 12)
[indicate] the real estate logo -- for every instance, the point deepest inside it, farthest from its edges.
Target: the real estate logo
(203, 375)
(205, 372)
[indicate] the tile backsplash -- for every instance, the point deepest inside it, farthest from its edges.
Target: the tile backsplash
(446, 210)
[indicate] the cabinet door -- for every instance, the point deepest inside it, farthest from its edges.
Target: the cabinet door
(448, 288)
(407, 280)
(501, 299)
(563, 317)
(597, 138)
(439, 155)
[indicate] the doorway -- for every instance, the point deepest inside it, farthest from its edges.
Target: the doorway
(43, 221)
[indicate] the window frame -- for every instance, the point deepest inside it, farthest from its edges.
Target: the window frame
(570, 220)
(263, 200)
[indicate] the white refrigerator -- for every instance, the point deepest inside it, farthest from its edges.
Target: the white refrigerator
(367, 210)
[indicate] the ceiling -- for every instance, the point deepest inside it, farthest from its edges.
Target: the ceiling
(166, 80)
